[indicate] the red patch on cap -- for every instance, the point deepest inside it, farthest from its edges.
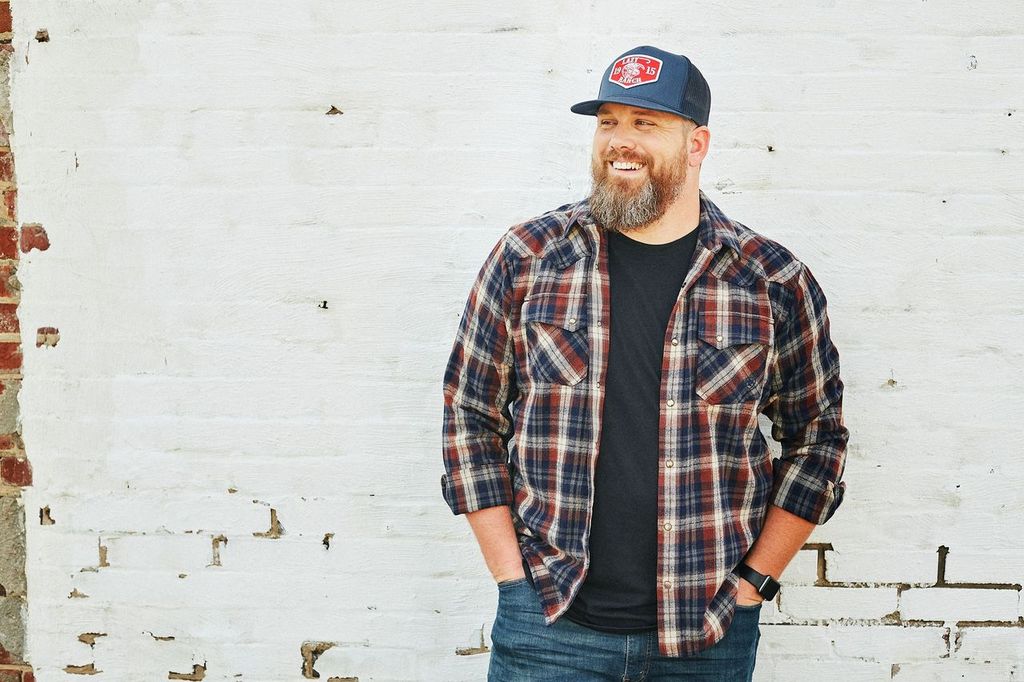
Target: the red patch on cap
(635, 69)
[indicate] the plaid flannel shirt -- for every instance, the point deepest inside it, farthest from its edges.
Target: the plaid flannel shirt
(524, 389)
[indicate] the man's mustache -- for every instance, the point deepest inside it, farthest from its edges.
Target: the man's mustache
(626, 156)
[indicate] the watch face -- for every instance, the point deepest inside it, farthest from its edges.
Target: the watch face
(771, 588)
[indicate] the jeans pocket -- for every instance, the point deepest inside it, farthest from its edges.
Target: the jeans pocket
(514, 582)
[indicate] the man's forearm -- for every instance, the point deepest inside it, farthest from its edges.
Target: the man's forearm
(497, 539)
(782, 536)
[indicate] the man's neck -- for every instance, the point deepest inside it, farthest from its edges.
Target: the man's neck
(680, 218)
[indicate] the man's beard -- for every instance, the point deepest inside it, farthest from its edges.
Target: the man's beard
(618, 207)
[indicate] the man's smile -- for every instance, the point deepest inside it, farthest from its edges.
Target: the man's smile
(627, 167)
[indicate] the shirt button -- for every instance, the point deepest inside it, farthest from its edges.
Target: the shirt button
(670, 464)
(572, 320)
(667, 584)
(719, 337)
(675, 342)
(670, 402)
(668, 526)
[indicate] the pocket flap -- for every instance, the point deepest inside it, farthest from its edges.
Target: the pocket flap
(733, 330)
(565, 311)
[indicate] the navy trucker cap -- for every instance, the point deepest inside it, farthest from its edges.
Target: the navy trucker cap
(650, 78)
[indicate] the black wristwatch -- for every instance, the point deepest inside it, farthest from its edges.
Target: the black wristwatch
(766, 585)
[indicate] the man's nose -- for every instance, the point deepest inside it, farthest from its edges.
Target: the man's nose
(622, 138)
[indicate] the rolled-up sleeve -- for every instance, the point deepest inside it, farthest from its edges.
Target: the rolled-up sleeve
(479, 384)
(806, 408)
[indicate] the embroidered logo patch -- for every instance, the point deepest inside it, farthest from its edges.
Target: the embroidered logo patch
(635, 69)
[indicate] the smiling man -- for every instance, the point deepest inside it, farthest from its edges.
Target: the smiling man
(601, 406)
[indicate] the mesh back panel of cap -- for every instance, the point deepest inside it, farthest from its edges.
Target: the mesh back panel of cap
(697, 96)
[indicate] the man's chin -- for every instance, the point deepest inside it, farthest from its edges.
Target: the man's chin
(624, 189)
(625, 229)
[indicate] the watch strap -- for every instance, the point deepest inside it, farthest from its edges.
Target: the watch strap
(766, 585)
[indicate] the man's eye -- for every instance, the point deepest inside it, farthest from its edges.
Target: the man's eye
(645, 123)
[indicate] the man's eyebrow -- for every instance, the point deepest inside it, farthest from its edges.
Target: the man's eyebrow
(649, 113)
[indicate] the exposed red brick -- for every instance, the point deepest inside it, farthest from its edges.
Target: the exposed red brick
(10, 676)
(12, 442)
(28, 676)
(6, 165)
(8, 289)
(5, 655)
(8, 242)
(33, 236)
(9, 318)
(47, 336)
(10, 356)
(5, 17)
(10, 205)
(15, 471)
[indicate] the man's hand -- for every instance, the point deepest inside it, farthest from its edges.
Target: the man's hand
(782, 535)
(747, 594)
(497, 539)
(511, 576)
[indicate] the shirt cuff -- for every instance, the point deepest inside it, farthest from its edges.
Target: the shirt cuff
(468, 489)
(802, 493)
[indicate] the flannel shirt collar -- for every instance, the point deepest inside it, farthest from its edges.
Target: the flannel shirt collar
(714, 231)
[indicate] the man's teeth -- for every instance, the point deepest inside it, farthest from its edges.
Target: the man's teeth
(626, 165)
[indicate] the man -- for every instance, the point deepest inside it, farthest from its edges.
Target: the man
(601, 409)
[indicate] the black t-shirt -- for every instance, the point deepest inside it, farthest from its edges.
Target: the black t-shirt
(619, 593)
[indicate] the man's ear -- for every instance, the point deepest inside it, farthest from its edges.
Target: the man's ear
(706, 132)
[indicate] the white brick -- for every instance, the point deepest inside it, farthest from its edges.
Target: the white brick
(956, 604)
(802, 569)
(941, 671)
(980, 644)
(829, 603)
(893, 643)
(805, 668)
(967, 566)
(903, 566)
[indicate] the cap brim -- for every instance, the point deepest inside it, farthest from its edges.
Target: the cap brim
(590, 107)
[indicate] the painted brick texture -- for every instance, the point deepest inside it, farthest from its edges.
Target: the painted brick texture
(255, 225)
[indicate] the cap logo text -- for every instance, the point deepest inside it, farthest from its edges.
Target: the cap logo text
(635, 69)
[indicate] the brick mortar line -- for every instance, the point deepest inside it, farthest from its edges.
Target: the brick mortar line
(909, 622)
(919, 586)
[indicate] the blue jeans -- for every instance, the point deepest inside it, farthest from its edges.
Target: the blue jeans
(525, 649)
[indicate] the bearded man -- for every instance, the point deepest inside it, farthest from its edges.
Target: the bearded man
(601, 407)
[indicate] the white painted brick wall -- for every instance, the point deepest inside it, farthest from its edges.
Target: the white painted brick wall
(804, 603)
(201, 206)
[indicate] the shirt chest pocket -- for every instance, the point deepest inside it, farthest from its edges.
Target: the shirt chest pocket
(555, 331)
(732, 358)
